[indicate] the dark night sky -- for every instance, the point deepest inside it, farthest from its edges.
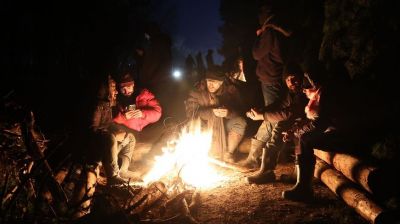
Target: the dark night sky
(192, 24)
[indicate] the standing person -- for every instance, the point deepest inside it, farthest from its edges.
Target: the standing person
(284, 113)
(268, 51)
(219, 106)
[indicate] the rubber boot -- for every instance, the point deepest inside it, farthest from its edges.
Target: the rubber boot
(125, 173)
(302, 191)
(253, 159)
(233, 141)
(266, 172)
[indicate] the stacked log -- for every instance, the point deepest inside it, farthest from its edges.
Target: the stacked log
(352, 195)
(369, 177)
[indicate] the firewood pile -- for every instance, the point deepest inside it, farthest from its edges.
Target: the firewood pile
(359, 183)
(32, 190)
(27, 174)
(25, 165)
(158, 202)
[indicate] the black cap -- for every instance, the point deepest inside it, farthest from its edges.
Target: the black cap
(294, 69)
(216, 74)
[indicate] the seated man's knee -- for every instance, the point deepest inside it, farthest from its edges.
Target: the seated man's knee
(242, 122)
(238, 125)
(131, 137)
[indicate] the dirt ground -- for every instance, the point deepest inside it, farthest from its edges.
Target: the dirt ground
(236, 201)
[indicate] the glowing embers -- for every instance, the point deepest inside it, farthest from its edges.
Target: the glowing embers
(186, 159)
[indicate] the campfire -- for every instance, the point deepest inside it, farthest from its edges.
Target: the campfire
(179, 175)
(187, 159)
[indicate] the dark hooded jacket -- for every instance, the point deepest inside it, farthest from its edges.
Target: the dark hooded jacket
(199, 104)
(269, 51)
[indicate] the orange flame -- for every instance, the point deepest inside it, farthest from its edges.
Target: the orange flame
(188, 158)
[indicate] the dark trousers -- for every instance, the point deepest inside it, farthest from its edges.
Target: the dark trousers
(330, 141)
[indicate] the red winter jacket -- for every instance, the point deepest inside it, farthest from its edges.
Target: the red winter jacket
(150, 107)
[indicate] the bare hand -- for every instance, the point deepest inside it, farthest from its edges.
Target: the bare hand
(134, 114)
(255, 115)
(220, 112)
(263, 28)
(287, 136)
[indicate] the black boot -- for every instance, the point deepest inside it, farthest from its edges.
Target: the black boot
(253, 159)
(266, 172)
(233, 142)
(302, 191)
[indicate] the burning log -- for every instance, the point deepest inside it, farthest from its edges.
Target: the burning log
(145, 199)
(368, 176)
(351, 195)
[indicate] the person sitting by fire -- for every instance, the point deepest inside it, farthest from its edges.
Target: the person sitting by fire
(99, 135)
(135, 109)
(220, 107)
(333, 125)
(283, 115)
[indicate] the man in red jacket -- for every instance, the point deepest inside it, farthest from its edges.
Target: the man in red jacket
(136, 108)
